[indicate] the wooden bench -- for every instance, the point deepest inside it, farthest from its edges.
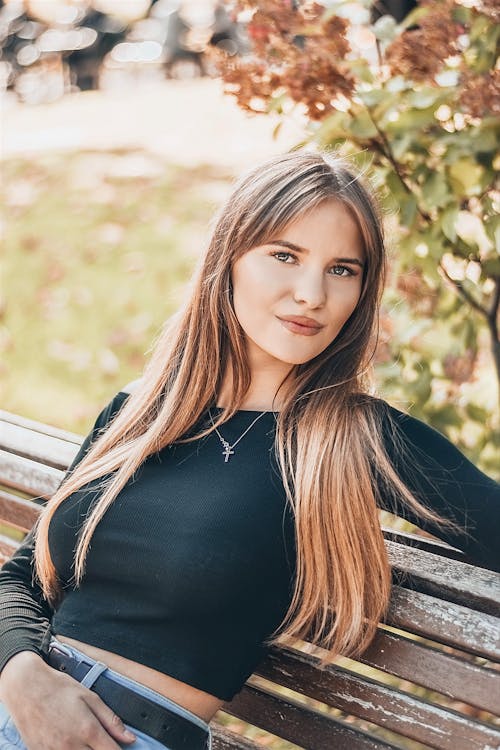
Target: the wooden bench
(430, 678)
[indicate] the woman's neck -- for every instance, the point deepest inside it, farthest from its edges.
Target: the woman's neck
(261, 396)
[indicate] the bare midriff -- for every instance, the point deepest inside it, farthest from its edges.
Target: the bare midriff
(198, 702)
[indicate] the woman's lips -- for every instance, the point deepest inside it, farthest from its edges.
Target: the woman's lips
(296, 328)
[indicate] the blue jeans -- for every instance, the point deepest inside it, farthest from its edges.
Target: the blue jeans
(11, 740)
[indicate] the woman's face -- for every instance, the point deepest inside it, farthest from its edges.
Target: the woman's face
(313, 269)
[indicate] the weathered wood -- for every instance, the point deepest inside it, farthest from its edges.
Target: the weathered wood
(17, 511)
(306, 727)
(41, 427)
(459, 582)
(49, 450)
(445, 622)
(436, 546)
(380, 704)
(223, 739)
(434, 669)
(29, 476)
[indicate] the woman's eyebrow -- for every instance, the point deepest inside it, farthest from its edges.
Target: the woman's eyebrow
(305, 251)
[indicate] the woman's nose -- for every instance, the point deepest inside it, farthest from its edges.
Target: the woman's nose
(310, 289)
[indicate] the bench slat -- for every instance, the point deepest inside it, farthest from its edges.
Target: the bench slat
(29, 476)
(458, 581)
(16, 511)
(380, 704)
(32, 425)
(434, 669)
(436, 546)
(306, 727)
(36, 446)
(223, 739)
(445, 622)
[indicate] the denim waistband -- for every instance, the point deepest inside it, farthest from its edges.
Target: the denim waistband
(137, 687)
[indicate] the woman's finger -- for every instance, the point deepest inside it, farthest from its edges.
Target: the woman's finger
(110, 721)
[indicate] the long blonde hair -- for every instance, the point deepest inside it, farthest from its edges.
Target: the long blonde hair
(328, 432)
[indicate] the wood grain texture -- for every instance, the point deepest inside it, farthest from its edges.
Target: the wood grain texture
(378, 703)
(434, 669)
(223, 739)
(457, 581)
(31, 477)
(49, 450)
(17, 511)
(306, 727)
(445, 622)
(41, 427)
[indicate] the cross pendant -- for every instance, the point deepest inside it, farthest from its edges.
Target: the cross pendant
(227, 452)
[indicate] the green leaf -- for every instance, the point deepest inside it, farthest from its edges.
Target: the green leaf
(413, 119)
(400, 145)
(361, 126)
(360, 69)
(333, 126)
(448, 221)
(477, 413)
(396, 188)
(478, 28)
(422, 387)
(466, 177)
(397, 84)
(491, 267)
(445, 416)
(461, 14)
(435, 191)
(408, 211)
(425, 97)
(492, 229)
(373, 96)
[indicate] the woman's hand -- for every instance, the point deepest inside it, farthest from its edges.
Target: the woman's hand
(52, 711)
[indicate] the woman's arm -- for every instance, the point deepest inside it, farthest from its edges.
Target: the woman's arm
(25, 614)
(446, 481)
(51, 710)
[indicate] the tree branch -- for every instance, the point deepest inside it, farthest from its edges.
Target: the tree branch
(495, 304)
(387, 152)
(467, 296)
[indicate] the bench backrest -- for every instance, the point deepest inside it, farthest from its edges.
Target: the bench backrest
(429, 679)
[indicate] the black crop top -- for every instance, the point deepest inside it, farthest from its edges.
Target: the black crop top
(192, 566)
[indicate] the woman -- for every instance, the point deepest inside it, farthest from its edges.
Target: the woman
(230, 498)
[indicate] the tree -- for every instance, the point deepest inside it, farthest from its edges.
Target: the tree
(418, 108)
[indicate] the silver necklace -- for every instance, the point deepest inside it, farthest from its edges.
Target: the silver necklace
(228, 449)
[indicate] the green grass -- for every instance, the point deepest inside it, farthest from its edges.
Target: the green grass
(97, 256)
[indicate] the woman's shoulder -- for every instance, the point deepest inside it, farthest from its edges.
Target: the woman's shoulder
(115, 404)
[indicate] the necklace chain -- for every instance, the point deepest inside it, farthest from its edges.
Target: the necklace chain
(228, 449)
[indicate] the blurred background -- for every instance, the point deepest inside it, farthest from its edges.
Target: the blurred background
(124, 123)
(117, 147)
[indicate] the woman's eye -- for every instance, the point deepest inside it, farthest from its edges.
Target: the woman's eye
(342, 271)
(286, 255)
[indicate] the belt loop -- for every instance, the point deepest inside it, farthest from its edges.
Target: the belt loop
(94, 672)
(61, 647)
